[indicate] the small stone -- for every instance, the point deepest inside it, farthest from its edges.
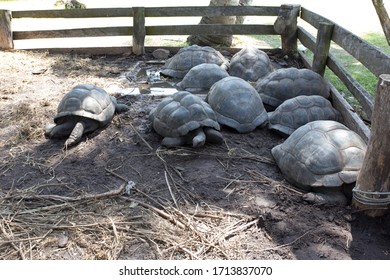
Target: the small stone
(161, 54)
(62, 240)
(39, 71)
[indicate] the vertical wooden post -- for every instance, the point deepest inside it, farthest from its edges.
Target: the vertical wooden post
(324, 37)
(139, 30)
(287, 25)
(6, 41)
(372, 190)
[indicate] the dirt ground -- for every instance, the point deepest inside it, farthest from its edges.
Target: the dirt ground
(120, 195)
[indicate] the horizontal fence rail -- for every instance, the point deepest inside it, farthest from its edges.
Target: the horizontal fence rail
(139, 30)
(370, 56)
(195, 11)
(285, 26)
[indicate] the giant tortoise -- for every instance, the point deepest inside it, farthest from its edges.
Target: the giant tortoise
(184, 118)
(201, 77)
(82, 110)
(250, 64)
(321, 153)
(237, 104)
(298, 111)
(286, 83)
(188, 57)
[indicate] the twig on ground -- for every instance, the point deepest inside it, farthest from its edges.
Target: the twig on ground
(114, 192)
(170, 189)
(140, 136)
(292, 242)
(157, 211)
(12, 242)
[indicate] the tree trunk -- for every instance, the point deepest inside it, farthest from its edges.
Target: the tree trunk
(383, 17)
(6, 41)
(219, 40)
(70, 4)
(372, 190)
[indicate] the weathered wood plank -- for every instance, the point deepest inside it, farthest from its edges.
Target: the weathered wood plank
(350, 118)
(139, 30)
(90, 50)
(6, 41)
(211, 11)
(150, 30)
(127, 50)
(78, 32)
(370, 56)
(74, 13)
(286, 25)
(151, 12)
(321, 52)
(210, 29)
(308, 40)
(365, 99)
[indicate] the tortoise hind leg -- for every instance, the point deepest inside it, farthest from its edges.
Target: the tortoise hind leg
(174, 141)
(212, 135)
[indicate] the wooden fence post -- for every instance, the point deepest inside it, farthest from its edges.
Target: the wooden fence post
(324, 37)
(139, 30)
(287, 25)
(372, 190)
(6, 41)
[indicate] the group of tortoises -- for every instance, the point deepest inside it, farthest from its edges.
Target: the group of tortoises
(319, 150)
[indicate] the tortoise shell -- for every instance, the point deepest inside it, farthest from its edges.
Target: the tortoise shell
(87, 101)
(250, 64)
(237, 104)
(321, 154)
(201, 77)
(298, 111)
(181, 113)
(286, 83)
(188, 57)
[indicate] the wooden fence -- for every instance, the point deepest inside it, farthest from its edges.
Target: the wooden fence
(285, 26)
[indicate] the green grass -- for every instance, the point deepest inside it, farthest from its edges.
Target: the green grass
(358, 71)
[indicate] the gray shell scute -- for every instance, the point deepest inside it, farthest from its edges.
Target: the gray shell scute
(237, 104)
(286, 83)
(201, 77)
(250, 64)
(181, 113)
(188, 57)
(298, 111)
(321, 154)
(87, 101)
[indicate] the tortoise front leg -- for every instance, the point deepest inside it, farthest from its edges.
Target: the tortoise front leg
(75, 135)
(59, 131)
